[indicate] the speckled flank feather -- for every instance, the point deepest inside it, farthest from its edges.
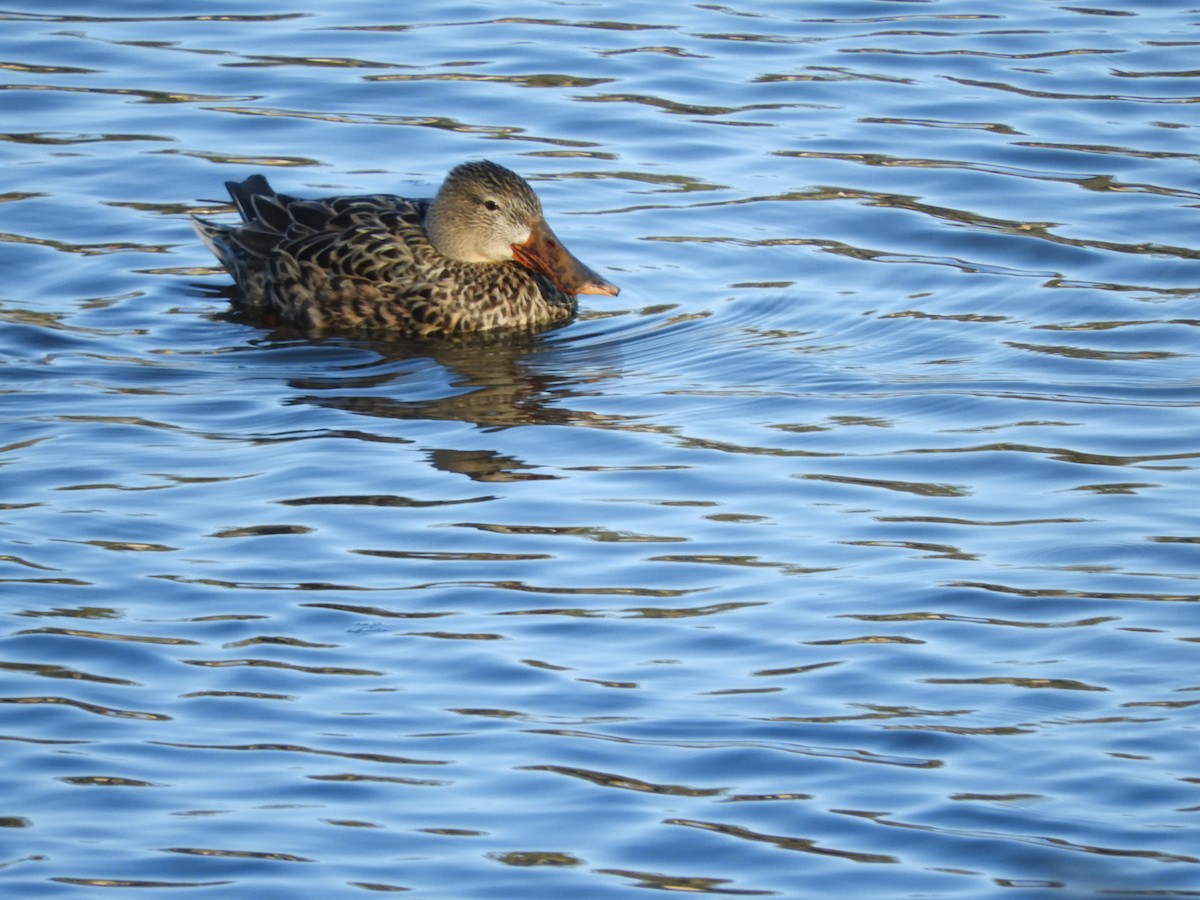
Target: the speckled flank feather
(366, 264)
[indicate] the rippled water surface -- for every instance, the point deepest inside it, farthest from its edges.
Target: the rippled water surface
(850, 552)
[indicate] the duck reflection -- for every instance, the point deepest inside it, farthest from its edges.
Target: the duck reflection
(497, 382)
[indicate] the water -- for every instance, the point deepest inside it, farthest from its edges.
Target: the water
(851, 552)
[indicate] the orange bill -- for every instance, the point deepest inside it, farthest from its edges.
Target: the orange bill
(545, 253)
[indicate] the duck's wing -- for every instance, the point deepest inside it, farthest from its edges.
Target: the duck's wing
(288, 253)
(339, 234)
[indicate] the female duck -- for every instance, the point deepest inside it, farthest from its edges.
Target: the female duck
(478, 257)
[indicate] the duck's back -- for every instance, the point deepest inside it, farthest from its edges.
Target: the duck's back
(365, 263)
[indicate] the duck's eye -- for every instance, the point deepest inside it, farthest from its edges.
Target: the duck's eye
(491, 205)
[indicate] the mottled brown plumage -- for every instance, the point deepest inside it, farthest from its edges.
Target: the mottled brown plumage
(477, 257)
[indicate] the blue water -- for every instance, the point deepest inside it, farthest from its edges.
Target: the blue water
(850, 552)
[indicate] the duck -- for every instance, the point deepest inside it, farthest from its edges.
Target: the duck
(477, 257)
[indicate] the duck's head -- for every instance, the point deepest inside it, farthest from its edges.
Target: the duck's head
(484, 213)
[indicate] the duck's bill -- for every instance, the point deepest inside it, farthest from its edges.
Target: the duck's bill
(545, 253)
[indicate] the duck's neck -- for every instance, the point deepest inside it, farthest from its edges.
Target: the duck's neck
(448, 234)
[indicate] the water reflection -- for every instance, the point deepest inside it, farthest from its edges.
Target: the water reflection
(492, 384)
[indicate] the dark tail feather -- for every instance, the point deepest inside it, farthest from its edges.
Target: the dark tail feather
(244, 192)
(215, 238)
(255, 235)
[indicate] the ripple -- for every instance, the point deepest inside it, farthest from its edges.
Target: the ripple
(93, 708)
